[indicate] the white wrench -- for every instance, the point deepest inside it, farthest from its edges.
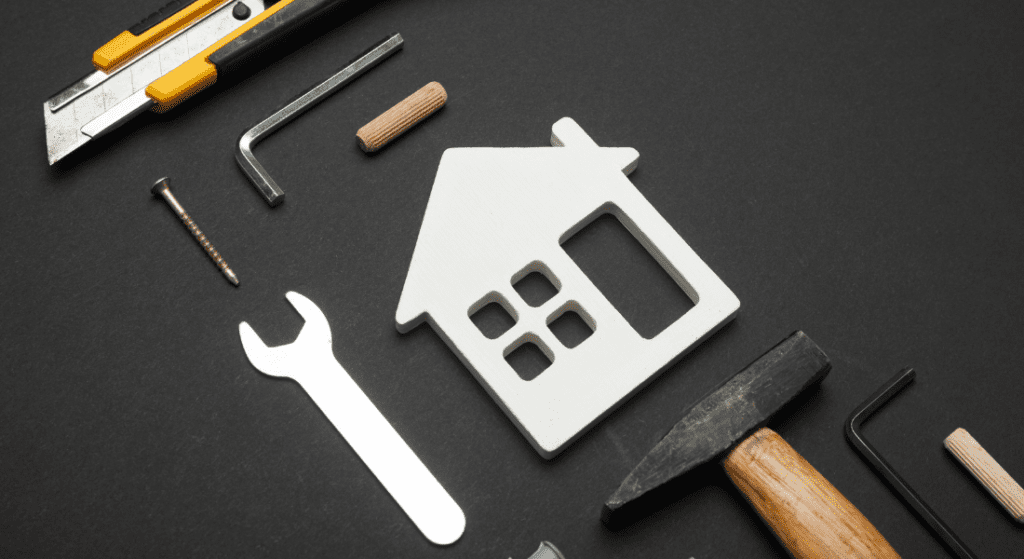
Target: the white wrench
(309, 360)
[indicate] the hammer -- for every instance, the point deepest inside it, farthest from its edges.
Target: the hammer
(810, 516)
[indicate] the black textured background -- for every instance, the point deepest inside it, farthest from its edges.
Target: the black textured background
(850, 170)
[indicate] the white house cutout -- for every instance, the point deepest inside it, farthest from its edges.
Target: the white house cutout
(497, 214)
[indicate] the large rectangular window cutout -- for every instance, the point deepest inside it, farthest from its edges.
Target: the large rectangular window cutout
(628, 275)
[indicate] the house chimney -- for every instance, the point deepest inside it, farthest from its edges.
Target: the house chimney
(566, 133)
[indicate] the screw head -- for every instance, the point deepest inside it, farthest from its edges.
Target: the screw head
(160, 186)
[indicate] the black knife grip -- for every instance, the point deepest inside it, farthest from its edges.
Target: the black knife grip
(256, 41)
(153, 19)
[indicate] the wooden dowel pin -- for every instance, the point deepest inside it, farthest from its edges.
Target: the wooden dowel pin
(401, 117)
(987, 471)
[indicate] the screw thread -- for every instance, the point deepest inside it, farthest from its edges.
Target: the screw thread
(203, 241)
(163, 188)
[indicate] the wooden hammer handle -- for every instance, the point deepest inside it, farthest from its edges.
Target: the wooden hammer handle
(810, 516)
(987, 471)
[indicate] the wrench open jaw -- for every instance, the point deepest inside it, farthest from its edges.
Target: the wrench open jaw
(310, 361)
(280, 361)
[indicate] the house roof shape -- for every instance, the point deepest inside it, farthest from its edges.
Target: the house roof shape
(494, 192)
(496, 214)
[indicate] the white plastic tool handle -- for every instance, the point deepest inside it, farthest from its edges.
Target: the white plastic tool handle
(405, 477)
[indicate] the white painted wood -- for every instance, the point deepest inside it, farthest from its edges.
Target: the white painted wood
(494, 211)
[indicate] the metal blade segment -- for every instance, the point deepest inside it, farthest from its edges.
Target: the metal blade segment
(89, 99)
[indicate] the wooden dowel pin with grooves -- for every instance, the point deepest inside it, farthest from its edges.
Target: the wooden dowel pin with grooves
(987, 471)
(403, 116)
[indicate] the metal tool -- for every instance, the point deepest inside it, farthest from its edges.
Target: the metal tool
(996, 480)
(309, 360)
(162, 188)
(166, 58)
(393, 122)
(262, 180)
(547, 550)
(883, 469)
(809, 516)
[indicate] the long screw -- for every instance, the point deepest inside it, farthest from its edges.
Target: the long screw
(163, 188)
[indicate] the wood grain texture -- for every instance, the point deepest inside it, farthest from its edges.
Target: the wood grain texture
(403, 116)
(725, 417)
(810, 516)
(987, 471)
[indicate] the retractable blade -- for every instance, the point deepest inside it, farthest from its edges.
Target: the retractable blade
(166, 58)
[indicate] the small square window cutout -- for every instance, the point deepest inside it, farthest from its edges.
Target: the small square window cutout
(528, 360)
(534, 284)
(493, 320)
(571, 329)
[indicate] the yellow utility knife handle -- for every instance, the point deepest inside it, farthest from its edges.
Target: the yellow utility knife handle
(169, 19)
(281, 18)
(229, 53)
(197, 73)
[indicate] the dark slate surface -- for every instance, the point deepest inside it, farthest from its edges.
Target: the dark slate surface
(852, 171)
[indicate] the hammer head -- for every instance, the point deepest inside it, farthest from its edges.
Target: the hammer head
(725, 417)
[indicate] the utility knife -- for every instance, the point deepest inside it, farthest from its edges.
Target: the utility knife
(166, 58)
